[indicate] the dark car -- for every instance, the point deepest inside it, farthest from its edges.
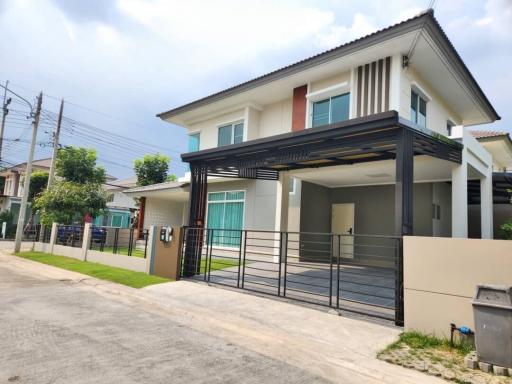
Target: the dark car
(72, 235)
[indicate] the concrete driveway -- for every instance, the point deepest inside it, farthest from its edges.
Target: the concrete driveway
(62, 327)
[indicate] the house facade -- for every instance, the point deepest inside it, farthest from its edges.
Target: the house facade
(268, 148)
(13, 186)
(120, 207)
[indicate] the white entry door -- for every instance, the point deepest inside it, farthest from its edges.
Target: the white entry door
(343, 223)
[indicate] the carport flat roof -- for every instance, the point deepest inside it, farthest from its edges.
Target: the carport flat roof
(363, 139)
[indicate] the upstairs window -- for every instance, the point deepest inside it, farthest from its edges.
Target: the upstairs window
(231, 134)
(193, 142)
(418, 109)
(331, 110)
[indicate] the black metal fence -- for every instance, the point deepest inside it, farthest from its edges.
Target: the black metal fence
(357, 273)
(70, 235)
(122, 241)
(30, 232)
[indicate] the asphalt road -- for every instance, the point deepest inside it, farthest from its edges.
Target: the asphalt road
(57, 331)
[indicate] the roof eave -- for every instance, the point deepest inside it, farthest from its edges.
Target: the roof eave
(425, 19)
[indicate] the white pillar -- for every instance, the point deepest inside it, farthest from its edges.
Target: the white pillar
(394, 82)
(486, 205)
(86, 240)
(150, 251)
(281, 219)
(53, 236)
(460, 198)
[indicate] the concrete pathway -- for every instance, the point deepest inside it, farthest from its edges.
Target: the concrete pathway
(62, 327)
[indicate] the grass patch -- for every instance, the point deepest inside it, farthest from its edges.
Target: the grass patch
(218, 264)
(418, 341)
(436, 357)
(100, 271)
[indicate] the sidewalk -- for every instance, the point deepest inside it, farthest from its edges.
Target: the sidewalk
(339, 349)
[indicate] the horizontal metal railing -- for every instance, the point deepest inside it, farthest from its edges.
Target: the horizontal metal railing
(122, 241)
(360, 273)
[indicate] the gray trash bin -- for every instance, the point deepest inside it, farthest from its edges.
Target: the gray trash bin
(492, 308)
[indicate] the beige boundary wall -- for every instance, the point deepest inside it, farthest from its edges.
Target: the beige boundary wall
(133, 263)
(441, 275)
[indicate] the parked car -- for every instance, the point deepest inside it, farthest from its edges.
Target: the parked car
(71, 235)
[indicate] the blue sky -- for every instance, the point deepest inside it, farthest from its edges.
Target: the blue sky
(131, 59)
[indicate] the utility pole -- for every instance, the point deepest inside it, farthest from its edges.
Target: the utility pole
(28, 173)
(55, 146)
(4, 115)
(54, 157)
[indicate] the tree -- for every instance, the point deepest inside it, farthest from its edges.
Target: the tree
(78, 165)
(38, 182)
(152, 169)
(67, 201)
(79, 190)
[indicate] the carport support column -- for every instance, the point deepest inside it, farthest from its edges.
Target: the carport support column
(404, 184)
(403, 210)
(281, 220)
(196, 219)
(460, 197)
(486, 205)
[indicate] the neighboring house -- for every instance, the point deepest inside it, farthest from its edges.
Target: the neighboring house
(361, 130)
(120, 207)
(499, 144)
(13, 185)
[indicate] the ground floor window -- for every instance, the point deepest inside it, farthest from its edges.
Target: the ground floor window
(226, 217)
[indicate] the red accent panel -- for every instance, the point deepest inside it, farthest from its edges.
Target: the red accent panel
(299, 108)
(140, 221)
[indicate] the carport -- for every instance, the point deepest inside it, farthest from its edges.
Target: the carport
(382, 136)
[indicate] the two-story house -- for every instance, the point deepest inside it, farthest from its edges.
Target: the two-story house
(327, 129)
(13, 185)
(366, 139)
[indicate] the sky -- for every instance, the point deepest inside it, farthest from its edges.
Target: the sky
(119, 63)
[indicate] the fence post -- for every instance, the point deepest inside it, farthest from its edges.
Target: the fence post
(86, 240)
(53, 236)
(150, 252)
(399, 283)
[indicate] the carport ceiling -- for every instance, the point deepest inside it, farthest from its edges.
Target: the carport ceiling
(426, 169)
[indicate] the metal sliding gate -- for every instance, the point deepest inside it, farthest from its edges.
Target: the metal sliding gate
(357, 273)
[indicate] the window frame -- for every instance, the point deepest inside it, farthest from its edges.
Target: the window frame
(193, 134)
(232, 124)
(416, 89)
(224, 201)
(326, 93)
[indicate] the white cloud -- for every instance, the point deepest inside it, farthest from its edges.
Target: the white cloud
(339, 34)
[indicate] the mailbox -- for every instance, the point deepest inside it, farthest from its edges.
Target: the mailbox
(166, 234)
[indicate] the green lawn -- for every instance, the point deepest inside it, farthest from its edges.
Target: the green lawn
(100, 271)
(218, 263)
(120, 251)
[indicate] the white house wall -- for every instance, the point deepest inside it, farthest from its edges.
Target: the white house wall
(161, 212)
(276, 118)
(438, 112)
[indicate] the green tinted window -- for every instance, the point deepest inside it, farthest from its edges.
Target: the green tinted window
(332, 110)
(225, 135)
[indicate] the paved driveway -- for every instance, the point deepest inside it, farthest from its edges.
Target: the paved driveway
(61, 327)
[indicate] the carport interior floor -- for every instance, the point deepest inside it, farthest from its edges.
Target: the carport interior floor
(63, 327)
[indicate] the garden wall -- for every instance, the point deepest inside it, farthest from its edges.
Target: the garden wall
(441, 275)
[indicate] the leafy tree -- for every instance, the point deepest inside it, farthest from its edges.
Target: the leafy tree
(38, 182)
(79, 191)
(151, 169)
(172, 177)
(67, 201)
(78, 165)
(6, 216)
